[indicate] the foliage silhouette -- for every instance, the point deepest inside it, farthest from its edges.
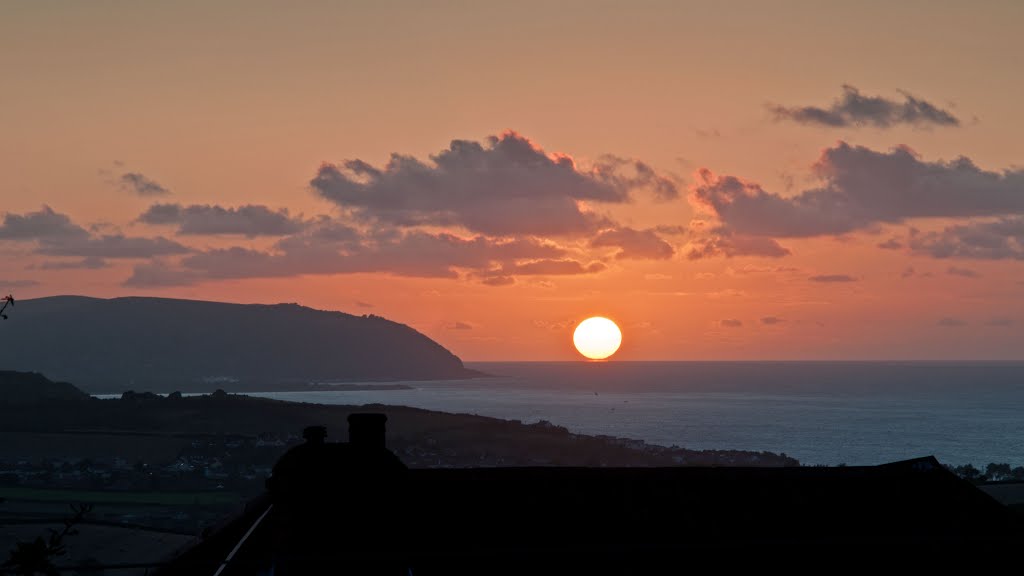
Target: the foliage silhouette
(36, 556)
(8, 301)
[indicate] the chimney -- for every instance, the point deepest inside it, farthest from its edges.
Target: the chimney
(366, 430)
(314, 434)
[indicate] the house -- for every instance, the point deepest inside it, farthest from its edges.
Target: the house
(353, 507)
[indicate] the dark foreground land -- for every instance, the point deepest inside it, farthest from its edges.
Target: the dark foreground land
(163, 475)
(161, 471)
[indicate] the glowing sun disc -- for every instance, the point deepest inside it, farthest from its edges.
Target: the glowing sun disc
(597, 338)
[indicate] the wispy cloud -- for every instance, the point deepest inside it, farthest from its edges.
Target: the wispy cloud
(459, 325)
(326, 249)
(832, 278)
(20, 283)
(548, 267)
(852, 108)
(722, 242)
(113, 246)
(141, 185)
(634, 244)
(89, 263)
(1001, 239)
(963, 272)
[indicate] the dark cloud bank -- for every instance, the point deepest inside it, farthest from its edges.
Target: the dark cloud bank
(503, 208)
(199, 219)
(862, 189)
(43, 224)
(502, 187)
(54, 234)
(518, 208)
(514, 206)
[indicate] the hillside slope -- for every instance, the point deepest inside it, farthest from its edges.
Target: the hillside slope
(165, 344)
(30, 388)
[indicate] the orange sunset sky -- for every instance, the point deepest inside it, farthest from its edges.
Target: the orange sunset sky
(725, 180)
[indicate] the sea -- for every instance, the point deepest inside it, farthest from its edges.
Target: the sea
(854, 413)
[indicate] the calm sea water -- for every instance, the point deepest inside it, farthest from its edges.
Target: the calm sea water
(818, 412)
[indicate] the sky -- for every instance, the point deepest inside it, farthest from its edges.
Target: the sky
(724, 180)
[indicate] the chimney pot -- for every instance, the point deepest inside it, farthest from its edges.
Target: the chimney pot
(314, 434)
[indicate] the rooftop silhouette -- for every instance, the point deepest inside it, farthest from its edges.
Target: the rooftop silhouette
(334, 507)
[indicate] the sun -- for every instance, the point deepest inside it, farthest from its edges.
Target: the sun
(597, 338)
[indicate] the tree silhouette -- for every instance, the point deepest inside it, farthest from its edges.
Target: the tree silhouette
(968, 472)
(36, 557)
(996, 471)
(8, 301)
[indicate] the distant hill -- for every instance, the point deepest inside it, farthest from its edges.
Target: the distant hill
(29, 388)
(162, 344)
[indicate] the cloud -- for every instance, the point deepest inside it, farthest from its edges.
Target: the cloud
(726, 293)
(548, 267)
(417, 255)
(157, 274)
(1000, 322)
(329, 248)
(555, 325)
(730, 323)
(670, 230)
(56, 235)
(141, 185)
(964, 272)
(832, 278)
(248, 220)
(22, 283)
(948, 322)
(362, 304)
(499, 280)
(907, 272)
(1001, 239)
(725, 243)
(504, 186)
(750, 269)
(112, 246)
(860, 189)
(447, 250)
(44, 224)
(634, 244)
(89, 263)
(890, 244)
(772, 321)
(855, 109)
(459, 326)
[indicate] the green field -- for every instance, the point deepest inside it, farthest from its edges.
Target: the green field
(127, 498)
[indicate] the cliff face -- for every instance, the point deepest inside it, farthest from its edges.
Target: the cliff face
(164, 344)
